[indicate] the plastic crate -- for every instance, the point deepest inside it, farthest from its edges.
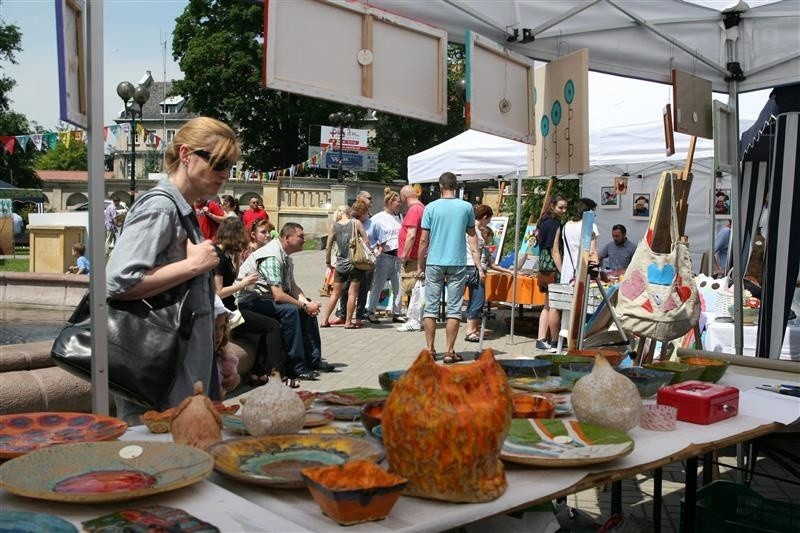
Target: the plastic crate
(728, 507)
(561, 297)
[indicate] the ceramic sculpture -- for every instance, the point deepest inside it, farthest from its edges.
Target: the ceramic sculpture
(273, 409)
(606, 398)
(196, 421)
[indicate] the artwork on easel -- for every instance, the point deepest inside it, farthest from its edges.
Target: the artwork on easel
(621, 184)
(691, 98)
(669, 136)
(499, 225)
(609, 198)
(529, 244)
(561, 104)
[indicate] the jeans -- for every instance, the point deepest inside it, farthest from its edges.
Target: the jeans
(361, 303)
(386, 268)
(269, 351)
(436, 278)
(477, 295)
(300, 334)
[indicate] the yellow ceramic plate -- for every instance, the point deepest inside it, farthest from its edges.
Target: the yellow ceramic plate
(276, 461)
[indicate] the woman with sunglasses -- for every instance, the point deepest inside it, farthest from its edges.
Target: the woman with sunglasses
(162, 249)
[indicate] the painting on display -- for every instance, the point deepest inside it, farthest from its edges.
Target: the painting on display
(561, 106)
(641, 205)
(609, 198)
(692, 108)
(499, 226)
(621, 184)
(722, 202)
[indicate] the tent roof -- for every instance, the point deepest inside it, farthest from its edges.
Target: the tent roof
(633, 38)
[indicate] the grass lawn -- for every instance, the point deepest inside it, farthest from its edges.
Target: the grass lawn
(14, 265)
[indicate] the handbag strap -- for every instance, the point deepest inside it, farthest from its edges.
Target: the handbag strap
(188, 222)
(567, 248)
(354, 234)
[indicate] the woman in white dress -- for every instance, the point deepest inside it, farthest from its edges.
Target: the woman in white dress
(570, 234)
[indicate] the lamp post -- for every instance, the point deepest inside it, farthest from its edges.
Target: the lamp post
(341, 119)
(139, 95)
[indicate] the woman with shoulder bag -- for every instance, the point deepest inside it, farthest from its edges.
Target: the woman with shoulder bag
(156, 253)
(341, 232)
(570, 235)
(549, 267)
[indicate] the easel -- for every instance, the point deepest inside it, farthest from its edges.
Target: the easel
(658, 230)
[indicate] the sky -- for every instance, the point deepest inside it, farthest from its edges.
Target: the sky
(134, 31)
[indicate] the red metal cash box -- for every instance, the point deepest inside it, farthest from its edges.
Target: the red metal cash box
(699, 402)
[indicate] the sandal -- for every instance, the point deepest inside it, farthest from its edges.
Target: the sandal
(293, 383)
(452, 357)
(354, 325)
(473, 337)
(436, 356)
(325, 324)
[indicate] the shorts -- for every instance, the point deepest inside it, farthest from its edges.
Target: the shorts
(436, 279)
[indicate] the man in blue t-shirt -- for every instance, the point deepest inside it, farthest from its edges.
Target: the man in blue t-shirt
(442, 260)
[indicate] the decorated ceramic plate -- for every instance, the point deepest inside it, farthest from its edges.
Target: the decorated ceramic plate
(348, 413)
(315, 419)
(354, 396)
(558, 443)
(548, 384)
(24, 521)
(97, 472)
(276, 461)
(25, 432)
(353, 430)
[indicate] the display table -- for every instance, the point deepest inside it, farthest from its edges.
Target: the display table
(499, 288)
(236, 506)
(719, 338)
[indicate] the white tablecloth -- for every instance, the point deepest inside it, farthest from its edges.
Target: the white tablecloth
(719, 338)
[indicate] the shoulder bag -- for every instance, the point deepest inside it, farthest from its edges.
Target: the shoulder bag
(658, 297)
(361, 257)
(147, 342)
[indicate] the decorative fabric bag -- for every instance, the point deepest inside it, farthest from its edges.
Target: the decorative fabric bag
(658, 297)
(147, 342)
(444, 427)
(360, 256)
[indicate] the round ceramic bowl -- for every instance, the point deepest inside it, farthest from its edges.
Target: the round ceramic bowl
(355, 492)
(647, 380)
(680, 371)
(749, 315)
(532, 406)
(572, 372)
(714, 368)
(372, 414)
(613, 357)
(525, 368)
(388, 379)
(558, 359)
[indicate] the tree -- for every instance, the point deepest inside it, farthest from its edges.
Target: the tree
(63, 157)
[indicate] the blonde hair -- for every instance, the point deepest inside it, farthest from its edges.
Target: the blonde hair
(359, 208)
(341, 212)
(201, 133)
(388, 196)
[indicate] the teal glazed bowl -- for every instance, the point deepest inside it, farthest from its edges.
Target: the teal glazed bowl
(388, 379)
(680, 371)
(572, 372)
(525, 368)
(647, 380)
(558, 359)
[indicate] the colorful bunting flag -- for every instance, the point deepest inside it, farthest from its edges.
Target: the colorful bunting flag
(8, 143)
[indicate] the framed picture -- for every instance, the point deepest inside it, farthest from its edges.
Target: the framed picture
(722, 203)
(669, 137)
(609, 198)
(71, 45)
(621, 184)
(723, 119)
(641, 205)
(499, 226)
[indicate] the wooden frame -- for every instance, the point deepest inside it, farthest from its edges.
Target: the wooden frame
(722, 203)
(355, 54)
(637, 202)
(499, 225)
(71, 44)
(669, 135)
(609, 198)
(724, 161)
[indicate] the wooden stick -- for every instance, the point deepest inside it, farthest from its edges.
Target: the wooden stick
(366, 44)
(687, 167)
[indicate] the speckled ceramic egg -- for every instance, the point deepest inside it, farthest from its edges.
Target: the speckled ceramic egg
(606, 398)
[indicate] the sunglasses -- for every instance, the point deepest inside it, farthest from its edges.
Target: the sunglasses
(221, 164)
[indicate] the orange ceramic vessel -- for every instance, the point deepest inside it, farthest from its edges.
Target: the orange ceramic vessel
(532, 406)
(444, 427)
(614, 358)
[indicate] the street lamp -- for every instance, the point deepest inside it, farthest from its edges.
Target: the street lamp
(341, 119)
(139, 95)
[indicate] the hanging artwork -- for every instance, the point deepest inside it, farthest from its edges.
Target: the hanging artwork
(691, 97)
(669, 135)
(722, 202)
(621, 184)
(641, 205)
(561, 104)
(499, 225)
(609, 198)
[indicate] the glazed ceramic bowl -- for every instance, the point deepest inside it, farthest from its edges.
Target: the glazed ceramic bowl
(749, 315)
(647, 380)
(680, 371)
(371, 414)
(525, 368)
(558, 359)
(714, 368)
(572, 372)
(532, 406)
(388, 379)
(614, 358)
(355, 492)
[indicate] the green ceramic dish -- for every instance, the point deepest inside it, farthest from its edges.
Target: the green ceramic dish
(388, 379)
(647, 380)
(714, 368)
(558, 359)
(681, 371)
(572, 372)
(521, 368)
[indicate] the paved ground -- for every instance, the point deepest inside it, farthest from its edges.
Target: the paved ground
(360, 355)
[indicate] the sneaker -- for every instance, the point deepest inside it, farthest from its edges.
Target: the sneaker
(325, 367)
(544, 346)
(372, 319)
(398, 319)
(410, 325)
(308, 376)
(554, 347)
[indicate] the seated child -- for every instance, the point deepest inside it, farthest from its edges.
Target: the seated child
(81, 265)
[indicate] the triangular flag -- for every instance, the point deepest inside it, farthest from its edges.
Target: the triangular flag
(114, 129)
(8, 143)
(23, 141)
(37, 140)
(64, 138)
(77, 135)
(51, 139)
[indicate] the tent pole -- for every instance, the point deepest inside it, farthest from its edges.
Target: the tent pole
(736, 229)
(516, 259)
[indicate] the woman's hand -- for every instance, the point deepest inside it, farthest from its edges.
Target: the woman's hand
(203, 256)
(247, 280)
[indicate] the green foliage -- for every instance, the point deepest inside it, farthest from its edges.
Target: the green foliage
(63, 157)
(10, 37)
(14, 265)
(153, 161)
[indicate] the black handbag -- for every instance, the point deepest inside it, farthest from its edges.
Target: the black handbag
(147, 342)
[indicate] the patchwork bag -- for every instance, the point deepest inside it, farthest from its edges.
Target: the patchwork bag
(658, 297)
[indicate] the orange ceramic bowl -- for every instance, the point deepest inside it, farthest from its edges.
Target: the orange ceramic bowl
(613, 358)
(714, 368)
(357, 491)
(372, 414)
(532, 406)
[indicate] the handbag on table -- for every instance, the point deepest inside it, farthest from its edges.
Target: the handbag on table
(147, 341)
(658, 297)
(359, 254)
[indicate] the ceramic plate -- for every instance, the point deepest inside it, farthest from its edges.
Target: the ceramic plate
(353, 430)
(24, 433)
(96, 472)
(538, 442)
(234, 424)
(314, 419)
(354, 396)
(276, 461)
(550, 384)
(348, 413)
(22, 521)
